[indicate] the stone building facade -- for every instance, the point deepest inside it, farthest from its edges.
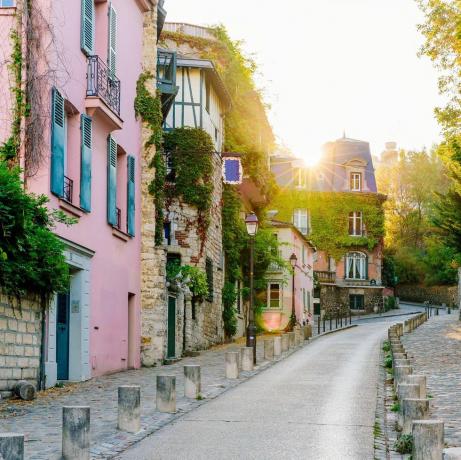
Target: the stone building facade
(20, 340)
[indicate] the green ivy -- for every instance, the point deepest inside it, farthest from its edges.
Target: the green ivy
(229, 315)
(149, 109)
(192, 151)
(329, 216)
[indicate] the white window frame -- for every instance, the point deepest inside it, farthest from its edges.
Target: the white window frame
(299, 178)
(268, 303)
(357, 263)
(356, 218)
(301, 220)
(356, 181)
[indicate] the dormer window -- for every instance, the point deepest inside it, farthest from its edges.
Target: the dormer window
(356, 182)
(299, 178)
(355, 223)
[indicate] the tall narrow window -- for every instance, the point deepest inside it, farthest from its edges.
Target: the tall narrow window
(58, 143)
(112, 51)
(299, 177)
(85, 162)
(355, 223)
(356, 182)
(356, 266)
(130, 205)
(209, 278)
(274, 295)
(301, 220)
(112, 214)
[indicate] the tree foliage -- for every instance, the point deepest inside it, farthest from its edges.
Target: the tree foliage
(31, 256)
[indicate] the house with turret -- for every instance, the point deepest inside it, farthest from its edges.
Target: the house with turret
(337, 205)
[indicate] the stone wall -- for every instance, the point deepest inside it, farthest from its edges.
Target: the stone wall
(206, 328)
(334, 297)
(20, 338)
(436, 295)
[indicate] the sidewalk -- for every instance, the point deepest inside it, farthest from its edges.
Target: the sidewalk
(435, 351)
(40, 420)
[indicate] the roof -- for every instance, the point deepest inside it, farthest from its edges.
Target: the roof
(282, 224)
(209, 67)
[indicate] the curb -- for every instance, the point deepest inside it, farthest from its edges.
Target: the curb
(332, 332)
(389, 316)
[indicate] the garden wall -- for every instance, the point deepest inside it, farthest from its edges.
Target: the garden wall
(436, 295)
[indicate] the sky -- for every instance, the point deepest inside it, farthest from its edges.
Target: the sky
(333, 66)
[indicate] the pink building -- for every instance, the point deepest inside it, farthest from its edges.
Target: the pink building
(88, 59)
(279, 296)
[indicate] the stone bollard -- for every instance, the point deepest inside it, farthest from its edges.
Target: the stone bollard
(232, 364)
(166, 393)
(413, 409)
(285, 342)
(247, 358)
(427, 440)
(11, 446)
(192, 381)
(400, 373)
(129, 408)
(75, 433)
(406, 326)
(408, 391)
(277, 346)
(418, 380)
(307, 332)
(402, 362)
(399, 356)
(269, 349)
(291, 339)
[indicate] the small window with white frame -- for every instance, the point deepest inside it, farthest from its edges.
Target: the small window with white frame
(274, 295)
(355, 223)
(356, 182)
(301, 220)
(299, 178)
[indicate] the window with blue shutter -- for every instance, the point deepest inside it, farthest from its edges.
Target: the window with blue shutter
(131, 196)
(87, 27)
(111, 181)
(58, 142)
(85, 162)
(112, 51)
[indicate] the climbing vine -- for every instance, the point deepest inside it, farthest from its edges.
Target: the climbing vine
(329, 214)
(191, 151)
(149, 108)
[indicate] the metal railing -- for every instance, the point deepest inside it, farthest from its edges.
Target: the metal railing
(68, 190)
(102, 82)
(325, 276)
(118, 225)
(333, 320)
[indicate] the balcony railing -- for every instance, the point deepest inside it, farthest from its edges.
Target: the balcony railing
(101, 82)
(68, 189)
(325, 276)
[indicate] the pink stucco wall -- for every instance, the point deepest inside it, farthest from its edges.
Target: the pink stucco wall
(115, 266)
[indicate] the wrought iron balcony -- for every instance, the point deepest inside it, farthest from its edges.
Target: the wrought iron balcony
(101, 82)
(325, 276)
(166, 79)
(68, 189)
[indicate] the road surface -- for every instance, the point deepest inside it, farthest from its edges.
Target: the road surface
(319, 403)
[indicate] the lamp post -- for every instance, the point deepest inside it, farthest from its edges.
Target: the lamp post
(251, 223)
(293, 260)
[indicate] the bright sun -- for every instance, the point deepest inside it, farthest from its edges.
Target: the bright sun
(311, 159)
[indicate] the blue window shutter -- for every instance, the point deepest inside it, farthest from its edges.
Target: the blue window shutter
(131, 196)
(87, 27)
(85, 162)
(112, 51)
(58, 140)
(111, 181)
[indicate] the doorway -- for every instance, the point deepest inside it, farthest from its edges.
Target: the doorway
(357, 301)
(171, 343)
(62, 335)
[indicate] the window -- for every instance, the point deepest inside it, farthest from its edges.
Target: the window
(299, 177)
(87, 27)
(356, 182)
(355, 223)
(112, 41)
(356, 302)
(170, 169)
(356, 266)
(6, 3)
(300, 220)
(274, 295)
(209, 278)
(167, 233)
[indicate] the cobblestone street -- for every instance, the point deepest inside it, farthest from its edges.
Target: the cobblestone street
(40, 420)
(435, 351)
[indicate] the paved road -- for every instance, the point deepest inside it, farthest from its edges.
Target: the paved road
(317, 404)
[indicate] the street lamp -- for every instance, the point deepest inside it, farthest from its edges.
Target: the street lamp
(293, 260)
(251, 223)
